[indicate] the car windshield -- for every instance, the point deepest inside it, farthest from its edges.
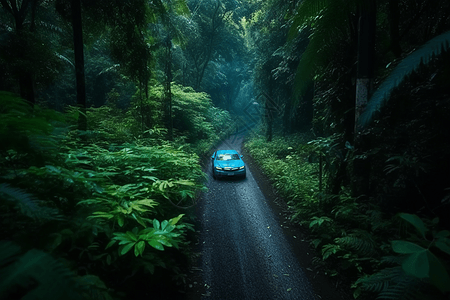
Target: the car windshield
(228, 156)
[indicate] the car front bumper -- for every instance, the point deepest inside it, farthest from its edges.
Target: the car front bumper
(221, 174)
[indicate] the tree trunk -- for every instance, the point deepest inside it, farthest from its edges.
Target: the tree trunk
(320, 171)
(269, 115)
(79, 63)
(287, 117)
(141, 87)
(214, 26)
(394, 20)
(26, 86)
(168, 89)
(366, 56)
(19, 12)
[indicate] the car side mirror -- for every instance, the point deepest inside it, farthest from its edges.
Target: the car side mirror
(242, 156)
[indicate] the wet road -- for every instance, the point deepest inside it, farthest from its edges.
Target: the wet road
(244, 252)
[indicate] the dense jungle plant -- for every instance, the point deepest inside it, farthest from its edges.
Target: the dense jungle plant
(355, 236)
(87, 202)
(419, 270)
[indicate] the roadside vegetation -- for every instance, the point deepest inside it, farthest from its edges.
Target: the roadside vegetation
(354, 105)
(375, 249)
(106, 111)
(102, 211)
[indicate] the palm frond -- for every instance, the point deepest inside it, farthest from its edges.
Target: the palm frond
(112, 68)
(36, 274)
(328, 28)
(27, 203)
(424, 55)
(65, 59)
(51, 27)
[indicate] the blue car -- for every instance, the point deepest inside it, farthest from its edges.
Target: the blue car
(227, 163)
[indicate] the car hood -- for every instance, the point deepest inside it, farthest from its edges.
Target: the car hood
(229, 163)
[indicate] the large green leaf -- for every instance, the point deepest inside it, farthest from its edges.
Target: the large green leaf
(174, 221)
(155, 244)
(120, 220)
(127, 248)
(409, 64)
(416, 222)
(438, 274)
(443, 244)
(139, 248)
(405, 247)
(442, 234)
(156, 224)
(417, 264)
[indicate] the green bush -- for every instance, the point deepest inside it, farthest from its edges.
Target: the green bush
(353, 235)
(105, 208)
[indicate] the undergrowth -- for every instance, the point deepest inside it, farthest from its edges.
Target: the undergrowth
(385, 256)
(102, 213)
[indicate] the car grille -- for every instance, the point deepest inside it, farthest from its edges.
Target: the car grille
(230, 169)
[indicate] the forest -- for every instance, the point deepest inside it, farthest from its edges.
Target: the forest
(110, 110)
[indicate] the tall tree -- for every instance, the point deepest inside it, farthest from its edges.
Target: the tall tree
(211, 19)
(394, 30)
(366, 58)
(79, 63)
(168, 87)
(364, 85)
(172, 29)
(23, 40)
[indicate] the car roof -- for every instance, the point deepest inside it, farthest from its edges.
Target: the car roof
(226, 151)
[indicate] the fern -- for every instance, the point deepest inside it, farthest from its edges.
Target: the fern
(394, 284)
(34, 275)
(361, 241)
(27, 203)
(424, 55)
(380, 281)
(402, 288)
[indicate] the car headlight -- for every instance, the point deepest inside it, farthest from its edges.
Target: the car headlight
(219, 168)
(241, 167)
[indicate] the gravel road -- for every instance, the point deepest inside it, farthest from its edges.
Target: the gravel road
(244, 252)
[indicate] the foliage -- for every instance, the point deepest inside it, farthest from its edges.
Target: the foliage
(327, 21)
(409, 64)
(94, 199)
(24, 128)
(353, 236)
(37, 275)
(422, 264)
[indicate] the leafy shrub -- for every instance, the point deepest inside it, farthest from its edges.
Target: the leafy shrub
(355, 236)
(108, 208)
